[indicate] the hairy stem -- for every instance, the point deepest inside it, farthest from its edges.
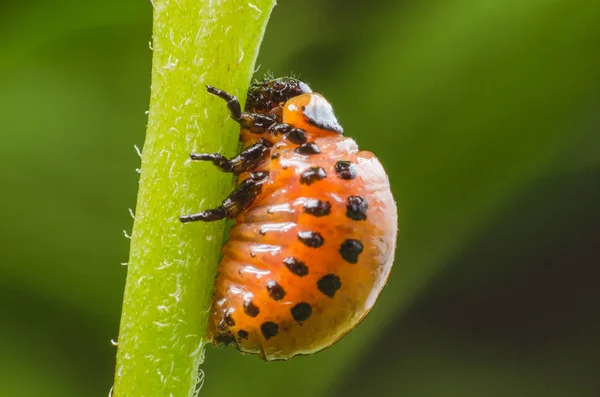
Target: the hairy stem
(172, 266)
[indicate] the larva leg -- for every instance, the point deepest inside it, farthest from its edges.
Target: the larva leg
(254, 122)
(258, 123)
(237, 201)
(245, 161)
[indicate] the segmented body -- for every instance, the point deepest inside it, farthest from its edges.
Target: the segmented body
(309, 255)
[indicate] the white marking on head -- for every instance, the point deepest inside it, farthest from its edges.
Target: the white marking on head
(320, 113)
(304, 87)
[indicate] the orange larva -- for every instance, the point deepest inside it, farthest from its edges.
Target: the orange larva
(315, 226)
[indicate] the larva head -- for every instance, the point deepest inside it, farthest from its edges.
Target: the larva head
(269, 95)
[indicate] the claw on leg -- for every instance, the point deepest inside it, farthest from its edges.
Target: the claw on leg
(255, 122)
(206, 216)
(235, 109)
(217, 159)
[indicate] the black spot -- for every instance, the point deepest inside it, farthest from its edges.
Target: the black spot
(250, 308)
(312, 175)
(345, 170)
(275, 155)
(350, 250)
(297, 267)
(311, 239)
(276, 291)
(356, 208)
(225, 339)
(269, 329)
(329, 284)
(301, 312)
(243, 334)
(308, 148)
(297, 136)
(317, 207)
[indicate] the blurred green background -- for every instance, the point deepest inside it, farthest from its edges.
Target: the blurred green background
(485, 113)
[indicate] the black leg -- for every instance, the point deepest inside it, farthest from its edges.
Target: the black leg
(245, 193)
(207, 216)
(217, 159)
(237, 201)
(235, 109)
(245, 161)
(255, 122)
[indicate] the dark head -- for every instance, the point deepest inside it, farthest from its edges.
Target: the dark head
(267, 95)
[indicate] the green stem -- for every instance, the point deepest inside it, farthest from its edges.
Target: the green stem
(172, 266)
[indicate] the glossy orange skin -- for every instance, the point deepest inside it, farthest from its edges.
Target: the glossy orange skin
(267, 233)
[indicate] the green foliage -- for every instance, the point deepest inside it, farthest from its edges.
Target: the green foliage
(484, 114)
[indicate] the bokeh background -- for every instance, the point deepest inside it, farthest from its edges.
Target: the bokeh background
(485, 113)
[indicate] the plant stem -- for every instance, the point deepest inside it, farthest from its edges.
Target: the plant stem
(172, 266)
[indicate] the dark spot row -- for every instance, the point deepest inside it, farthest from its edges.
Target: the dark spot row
(349, 250)
(356, 208)
(345, 170)
(300, 312)
(327, 285)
